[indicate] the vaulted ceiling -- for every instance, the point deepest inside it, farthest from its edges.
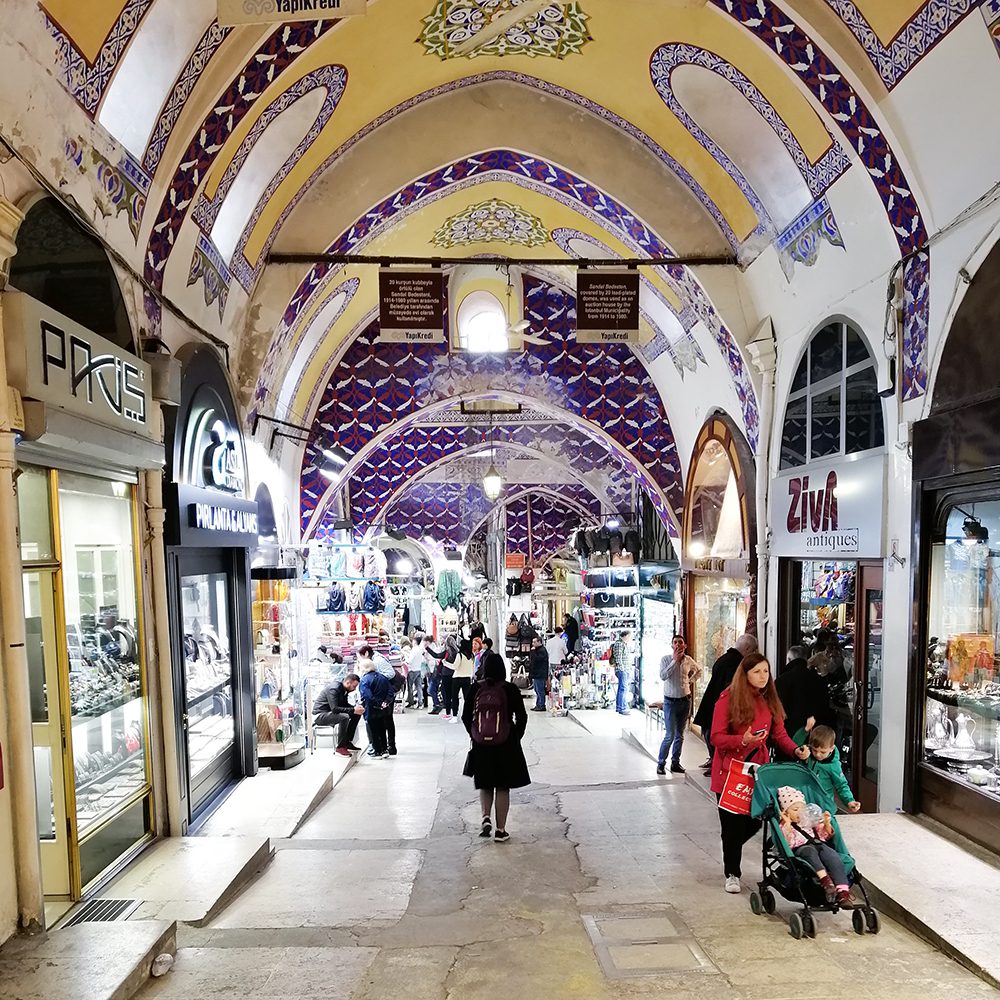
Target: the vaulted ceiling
(601, 128)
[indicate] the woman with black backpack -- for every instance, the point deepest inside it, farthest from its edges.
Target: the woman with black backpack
(495, 718)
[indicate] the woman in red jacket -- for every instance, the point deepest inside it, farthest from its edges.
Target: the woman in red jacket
(747, 714)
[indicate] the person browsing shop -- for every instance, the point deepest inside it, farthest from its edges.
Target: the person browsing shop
(557, 650)
(678, 671)
(538, 666)
(333, 708)
(620, 659)
(748, 715)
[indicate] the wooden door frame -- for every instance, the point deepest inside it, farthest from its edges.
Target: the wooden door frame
(870, 576)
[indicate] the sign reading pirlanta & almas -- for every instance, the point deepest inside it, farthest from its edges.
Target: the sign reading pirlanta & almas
(830, 509)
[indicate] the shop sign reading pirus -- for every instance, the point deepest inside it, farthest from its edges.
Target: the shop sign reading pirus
(280, 11)
(411, 306)
(607, 307)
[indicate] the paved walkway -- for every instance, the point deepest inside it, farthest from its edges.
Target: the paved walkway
(610, 887)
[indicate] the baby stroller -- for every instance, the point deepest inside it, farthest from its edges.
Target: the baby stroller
(789, 875)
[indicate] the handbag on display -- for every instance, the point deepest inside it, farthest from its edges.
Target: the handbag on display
(622, 559)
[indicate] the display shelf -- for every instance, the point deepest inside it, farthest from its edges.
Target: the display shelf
(959, 699)
(197, 699)
(136, 755)
(110, 707)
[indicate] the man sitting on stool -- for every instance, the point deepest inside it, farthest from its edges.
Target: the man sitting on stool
(333, 709)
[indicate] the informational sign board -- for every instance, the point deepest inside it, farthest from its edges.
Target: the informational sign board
(829, 509)
(411, 306)
(54, 359)
(607, 307)
(515, 560)
(280, 11)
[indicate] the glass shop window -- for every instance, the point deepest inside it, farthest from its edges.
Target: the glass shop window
(962, 704)
(833, 407)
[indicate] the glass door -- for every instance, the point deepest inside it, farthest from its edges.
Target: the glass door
(868, 688)
(47, 731)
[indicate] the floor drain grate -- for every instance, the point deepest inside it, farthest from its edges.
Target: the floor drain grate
(103, 911)
(645, 941)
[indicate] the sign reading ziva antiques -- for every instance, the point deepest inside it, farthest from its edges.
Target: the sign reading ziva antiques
(829, 509)
(279, 11)
(411, 306)
(55, 360)
(607, 307)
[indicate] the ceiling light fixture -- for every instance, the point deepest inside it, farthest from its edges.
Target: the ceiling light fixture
(404, 566)
(335, 455)
(492, 481)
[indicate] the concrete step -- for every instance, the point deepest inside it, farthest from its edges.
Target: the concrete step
(103, 961)
(190, 879)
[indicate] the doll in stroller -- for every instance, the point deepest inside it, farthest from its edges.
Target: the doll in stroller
(786, 866)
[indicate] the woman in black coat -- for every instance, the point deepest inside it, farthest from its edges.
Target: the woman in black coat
(572, 629)
(497, 769)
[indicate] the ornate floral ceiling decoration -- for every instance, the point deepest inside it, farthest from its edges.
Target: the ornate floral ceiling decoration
(556, 31)
(492, 221)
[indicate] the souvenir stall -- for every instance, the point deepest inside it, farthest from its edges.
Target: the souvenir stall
(953, 772)
(80, 514)
(211, 528)
(719, 538)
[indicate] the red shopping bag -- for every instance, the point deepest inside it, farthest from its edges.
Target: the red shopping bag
(737, 791)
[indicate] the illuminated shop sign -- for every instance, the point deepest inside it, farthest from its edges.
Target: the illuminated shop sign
(829, 509)
(212, 517)
(53, 359)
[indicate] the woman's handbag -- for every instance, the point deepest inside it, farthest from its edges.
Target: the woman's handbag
(737, 792)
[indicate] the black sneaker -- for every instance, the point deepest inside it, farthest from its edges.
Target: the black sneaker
(501, 836)
(677, 769)
(660, 769)
(393, 751)
(371, 752)
(351, 746)
(487, 830)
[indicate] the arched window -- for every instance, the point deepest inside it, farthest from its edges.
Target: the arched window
(833, 407)
(482, 324)
(62, 265)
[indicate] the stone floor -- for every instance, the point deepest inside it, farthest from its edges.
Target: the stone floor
(610, 887)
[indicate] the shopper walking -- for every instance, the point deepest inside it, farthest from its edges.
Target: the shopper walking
(446, 658)
(723, 671)
(747, 715)
(377, 697)
(333, 708)
(415, 674)
(620, 660)
(678, 671)
(461, 681)
(495, 718)
(538, 668)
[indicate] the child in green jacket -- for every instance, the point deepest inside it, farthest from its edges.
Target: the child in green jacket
(824, 762)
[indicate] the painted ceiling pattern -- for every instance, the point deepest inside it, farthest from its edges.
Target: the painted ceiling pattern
(539, 526)
(532, 173)
(605, 387)
(387, 469)
(493, 221)
(557, 30)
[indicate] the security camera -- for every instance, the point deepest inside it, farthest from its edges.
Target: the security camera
(886, 382)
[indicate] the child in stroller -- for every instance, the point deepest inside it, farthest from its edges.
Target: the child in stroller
(789, 873)
(808, 835)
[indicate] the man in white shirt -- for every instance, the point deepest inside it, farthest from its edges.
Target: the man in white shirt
(678, 673)
(415, 674)
(557, 650)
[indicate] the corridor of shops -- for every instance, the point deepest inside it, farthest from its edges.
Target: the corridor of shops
(402, 399)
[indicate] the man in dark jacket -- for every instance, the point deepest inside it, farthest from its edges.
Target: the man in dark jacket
(332, 708)
(538, 667)
(723, 671)
(804, 694)
(572, 629)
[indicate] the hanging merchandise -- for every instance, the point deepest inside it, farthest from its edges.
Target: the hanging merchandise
(338, 563)
(356, 563)
(527, 579)
(449, 590)
(355, 596)
(632, 544)
(373, 599)
(336, 599)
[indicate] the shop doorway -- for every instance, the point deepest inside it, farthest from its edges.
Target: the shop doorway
(211, 680)
(834, 608)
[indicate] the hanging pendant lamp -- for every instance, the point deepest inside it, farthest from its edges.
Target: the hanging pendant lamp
(492, 481)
